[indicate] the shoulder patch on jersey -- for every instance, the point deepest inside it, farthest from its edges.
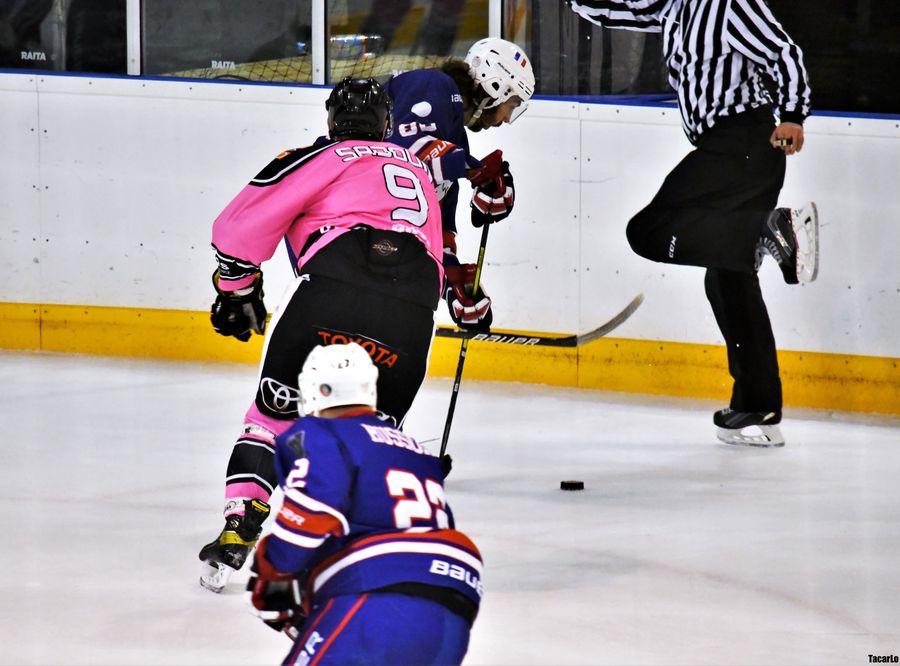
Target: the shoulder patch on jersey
(287, 163)
(295, 443)
(421, 109)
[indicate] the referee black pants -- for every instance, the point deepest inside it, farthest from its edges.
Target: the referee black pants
(709, 212)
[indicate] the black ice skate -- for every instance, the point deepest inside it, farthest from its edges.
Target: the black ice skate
(748, 428)
(791, 236)
(228, 552)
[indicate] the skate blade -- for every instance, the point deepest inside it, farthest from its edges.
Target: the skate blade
(762, 436)
(215, 576)
(806, 230)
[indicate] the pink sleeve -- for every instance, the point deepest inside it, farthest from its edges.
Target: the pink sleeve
(252, 225)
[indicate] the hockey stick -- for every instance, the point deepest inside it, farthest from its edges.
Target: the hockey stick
(546, 340)
(465, 344)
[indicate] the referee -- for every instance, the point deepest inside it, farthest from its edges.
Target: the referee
(735, 71)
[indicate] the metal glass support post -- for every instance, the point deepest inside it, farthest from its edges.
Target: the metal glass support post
(495, 18)
(133, 36)
(319, 38)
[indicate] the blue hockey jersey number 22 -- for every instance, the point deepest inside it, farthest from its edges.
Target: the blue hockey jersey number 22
(364, 509)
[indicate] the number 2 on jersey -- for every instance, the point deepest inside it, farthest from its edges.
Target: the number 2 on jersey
(402, 184)
(415, 501)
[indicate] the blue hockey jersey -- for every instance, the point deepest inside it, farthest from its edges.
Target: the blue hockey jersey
(427, 103)
(363, 509)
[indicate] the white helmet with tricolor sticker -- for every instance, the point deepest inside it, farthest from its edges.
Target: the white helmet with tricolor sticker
(502, 70)
(336, 375)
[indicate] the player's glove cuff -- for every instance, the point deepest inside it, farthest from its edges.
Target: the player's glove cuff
(238, 313)
(273, 596)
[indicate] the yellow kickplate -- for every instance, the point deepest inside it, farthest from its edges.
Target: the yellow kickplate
(20, 326)
(810, 379)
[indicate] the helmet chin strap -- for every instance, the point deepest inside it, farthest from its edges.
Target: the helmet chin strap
(478, 111)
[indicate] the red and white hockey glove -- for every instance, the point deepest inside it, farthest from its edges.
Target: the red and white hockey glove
(490, 169)
(274, 597)
(494, 200)
(493, 192)
(468, 311)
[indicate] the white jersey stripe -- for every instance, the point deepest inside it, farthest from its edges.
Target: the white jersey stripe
(254, 442)
(315, 505)
(296, 539)
(248, 477)
(393, 547)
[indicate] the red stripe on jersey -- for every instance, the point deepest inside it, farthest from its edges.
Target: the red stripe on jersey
(444, 536)
(449, 536)
(299, 645)
(294, 517)
(322, 650)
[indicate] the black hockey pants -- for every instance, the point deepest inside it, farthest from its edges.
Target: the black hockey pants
(709, 212)
(322, 311)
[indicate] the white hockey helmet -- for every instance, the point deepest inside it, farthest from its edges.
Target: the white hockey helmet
(334, 376)
(502, 70)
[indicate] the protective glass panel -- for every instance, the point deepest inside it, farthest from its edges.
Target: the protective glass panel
(571, 56)
(379, 37)
(63, 35)
(254, 40)
(840, 39)
(851, 49)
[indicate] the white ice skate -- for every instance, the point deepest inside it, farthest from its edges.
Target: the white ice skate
(752, 435)
(227, 553)
(805, 222)
(791, 237)
(748, 428)
(215, 576)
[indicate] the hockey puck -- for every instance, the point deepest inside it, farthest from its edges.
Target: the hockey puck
(571, 485)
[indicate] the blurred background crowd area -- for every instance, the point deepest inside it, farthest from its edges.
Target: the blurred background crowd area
(852, 47)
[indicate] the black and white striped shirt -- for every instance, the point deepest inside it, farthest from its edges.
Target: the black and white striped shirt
(718, 54)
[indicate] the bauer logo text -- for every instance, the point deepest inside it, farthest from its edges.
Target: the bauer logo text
(456, 572)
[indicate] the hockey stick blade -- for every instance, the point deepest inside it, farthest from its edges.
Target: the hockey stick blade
(546, 340)
(613, 323)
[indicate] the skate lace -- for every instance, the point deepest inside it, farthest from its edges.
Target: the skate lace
(773, 248)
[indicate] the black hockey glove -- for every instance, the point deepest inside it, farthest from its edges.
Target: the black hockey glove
(274, 597)
(494, 200)
(469, 311)
(238, 313)
(446, 464)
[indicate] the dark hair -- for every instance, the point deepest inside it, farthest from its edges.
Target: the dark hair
(458, 70)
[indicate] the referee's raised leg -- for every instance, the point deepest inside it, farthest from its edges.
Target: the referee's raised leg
(718, 208)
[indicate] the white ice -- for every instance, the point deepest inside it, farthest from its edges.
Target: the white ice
(680, 550)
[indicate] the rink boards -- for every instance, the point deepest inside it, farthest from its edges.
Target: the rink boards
(108, 187)
(811, 379)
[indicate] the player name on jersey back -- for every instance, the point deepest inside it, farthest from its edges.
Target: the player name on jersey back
(349, 153)
(392, 437)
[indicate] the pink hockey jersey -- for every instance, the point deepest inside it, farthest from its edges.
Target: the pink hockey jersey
(322, 192)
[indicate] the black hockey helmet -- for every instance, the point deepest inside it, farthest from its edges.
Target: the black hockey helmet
(359, 109)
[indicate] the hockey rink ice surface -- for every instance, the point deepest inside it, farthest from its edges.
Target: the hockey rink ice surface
(680, 550)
